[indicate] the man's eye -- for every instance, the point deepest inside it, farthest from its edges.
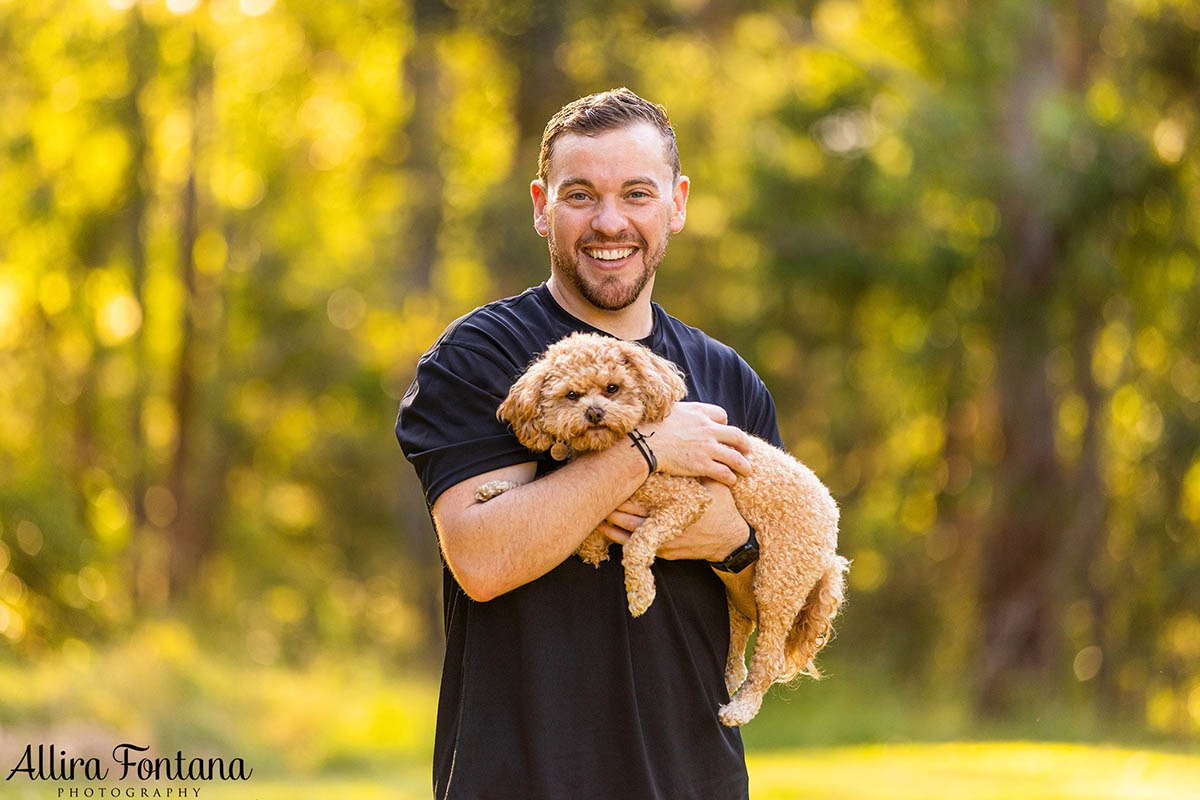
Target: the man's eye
(612, 388)
(638, 194)
(572, 395)
(578, 196)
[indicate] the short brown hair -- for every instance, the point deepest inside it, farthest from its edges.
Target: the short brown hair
(606, 111)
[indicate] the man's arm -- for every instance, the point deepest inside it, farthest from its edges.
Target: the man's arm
(519, 536)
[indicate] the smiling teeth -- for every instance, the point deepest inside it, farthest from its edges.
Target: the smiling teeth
(611, 255)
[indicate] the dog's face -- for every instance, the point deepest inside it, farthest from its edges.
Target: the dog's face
(588, 391)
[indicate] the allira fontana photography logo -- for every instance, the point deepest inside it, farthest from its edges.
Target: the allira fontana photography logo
(130, 763)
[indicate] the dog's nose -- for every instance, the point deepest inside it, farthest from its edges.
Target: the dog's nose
(594, 415)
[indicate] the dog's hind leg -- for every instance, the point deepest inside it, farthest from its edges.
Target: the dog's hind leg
(769, 661)
(740, 628)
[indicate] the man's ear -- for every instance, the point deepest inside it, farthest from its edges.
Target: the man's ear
(679, 199)
(537, 190)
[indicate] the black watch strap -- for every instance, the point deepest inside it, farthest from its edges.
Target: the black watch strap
(740, 558)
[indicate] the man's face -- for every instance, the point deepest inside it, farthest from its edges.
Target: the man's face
(608, 207)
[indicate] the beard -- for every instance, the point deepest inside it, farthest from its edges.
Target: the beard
(611, 292)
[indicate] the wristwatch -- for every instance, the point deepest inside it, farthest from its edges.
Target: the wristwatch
(740, 558)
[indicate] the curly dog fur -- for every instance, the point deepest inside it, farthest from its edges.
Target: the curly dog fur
(585, 394)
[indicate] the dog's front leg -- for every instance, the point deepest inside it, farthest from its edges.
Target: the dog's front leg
(676, 503)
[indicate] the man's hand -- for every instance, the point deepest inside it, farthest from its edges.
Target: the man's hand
(694, 440)
(712, 538)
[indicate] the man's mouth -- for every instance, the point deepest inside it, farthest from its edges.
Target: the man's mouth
(609, 253)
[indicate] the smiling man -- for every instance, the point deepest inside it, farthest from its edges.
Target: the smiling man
(598, 244)
(550, 689)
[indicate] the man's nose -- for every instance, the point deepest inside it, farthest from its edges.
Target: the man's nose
(609, 220)
(594, 415)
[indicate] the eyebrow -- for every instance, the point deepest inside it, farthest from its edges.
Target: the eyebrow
(631, 182)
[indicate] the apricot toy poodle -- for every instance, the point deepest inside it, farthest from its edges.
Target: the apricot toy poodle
(587, 392)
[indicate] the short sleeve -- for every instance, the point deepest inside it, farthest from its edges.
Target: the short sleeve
(760, 411)
(447, 426)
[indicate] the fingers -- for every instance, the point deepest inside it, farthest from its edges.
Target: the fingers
(726, 434)
(715, 413)
(734, 437)
(736, 461)
(725, 475)
(635, 508)
(725, 465)
(722, 474)
(700, 442)
(627, 522)
(613, 532)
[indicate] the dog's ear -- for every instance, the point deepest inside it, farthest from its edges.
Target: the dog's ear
(520, 408)
(659, 381)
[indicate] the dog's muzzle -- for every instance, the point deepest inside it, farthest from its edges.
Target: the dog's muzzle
(595, 415)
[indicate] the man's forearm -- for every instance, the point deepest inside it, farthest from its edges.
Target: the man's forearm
(519, 536)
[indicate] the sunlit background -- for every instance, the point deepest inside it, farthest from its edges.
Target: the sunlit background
(958, 242)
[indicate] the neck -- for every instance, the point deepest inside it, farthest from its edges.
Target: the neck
(635, 321)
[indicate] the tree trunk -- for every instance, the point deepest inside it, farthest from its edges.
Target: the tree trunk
(187, 537)
(421, 78)
(135, 177)
(1086, 532)
(1018, 591)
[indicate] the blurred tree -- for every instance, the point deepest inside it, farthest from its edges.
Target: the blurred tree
(140, 55)
(957, 242)
(190, 536)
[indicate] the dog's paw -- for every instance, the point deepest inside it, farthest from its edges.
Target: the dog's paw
(492, 489)
(640, 595)
(639, 586)
(731, 718)
(740, 710)
(639, 604)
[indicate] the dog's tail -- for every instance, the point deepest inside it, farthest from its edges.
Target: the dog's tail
(813, 627)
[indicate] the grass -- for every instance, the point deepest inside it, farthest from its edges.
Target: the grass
(975, 771)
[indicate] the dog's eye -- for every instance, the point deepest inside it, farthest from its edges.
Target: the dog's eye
(612, 388)
(572, 395)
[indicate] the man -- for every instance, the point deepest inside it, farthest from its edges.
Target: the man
(550, 689)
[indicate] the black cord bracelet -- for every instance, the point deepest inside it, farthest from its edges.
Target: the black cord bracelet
(643, 446)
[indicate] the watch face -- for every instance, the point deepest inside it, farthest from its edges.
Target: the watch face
(743, 558)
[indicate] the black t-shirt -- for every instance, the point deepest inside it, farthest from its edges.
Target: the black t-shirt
(553, 690)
